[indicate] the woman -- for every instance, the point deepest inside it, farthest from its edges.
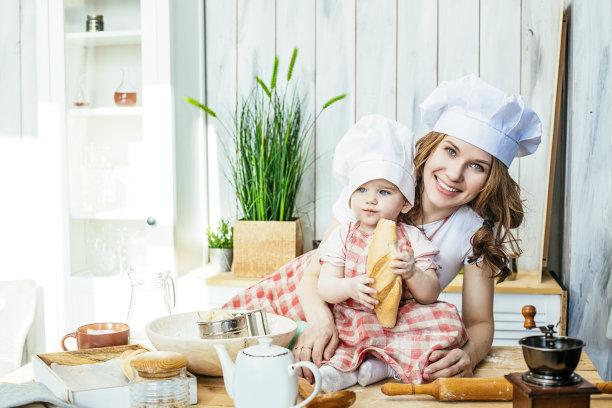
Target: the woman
(466, 204)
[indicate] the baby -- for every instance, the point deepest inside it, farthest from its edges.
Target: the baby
(374, 161)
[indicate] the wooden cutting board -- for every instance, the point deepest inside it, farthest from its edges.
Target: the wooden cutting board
(89, 356)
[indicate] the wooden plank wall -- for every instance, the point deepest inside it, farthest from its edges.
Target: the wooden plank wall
(30, 166)
(17, 70)
(387, 55)
(586, 263)
(10, 114)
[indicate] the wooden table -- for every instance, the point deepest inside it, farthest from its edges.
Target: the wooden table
(500, 361)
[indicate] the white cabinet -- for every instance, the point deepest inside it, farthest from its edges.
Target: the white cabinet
(116, 200)
(549, 299)
(507, 314)
(120, 157)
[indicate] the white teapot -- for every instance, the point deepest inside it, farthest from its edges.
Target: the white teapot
(264, 376)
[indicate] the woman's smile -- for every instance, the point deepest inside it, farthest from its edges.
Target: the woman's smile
(445, 187)
(454, 175)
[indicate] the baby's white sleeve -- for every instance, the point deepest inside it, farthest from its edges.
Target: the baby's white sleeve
(333, 250)
(424, 250)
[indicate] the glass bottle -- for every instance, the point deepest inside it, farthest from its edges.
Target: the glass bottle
(125, 95)
(159, 380)
(81, 99)
(152, 296)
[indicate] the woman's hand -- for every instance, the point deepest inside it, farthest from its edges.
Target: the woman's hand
(358, 289)
(403, 264)
(448, 363)
(317, 342)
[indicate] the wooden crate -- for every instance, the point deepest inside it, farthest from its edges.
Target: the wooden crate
(262, 247)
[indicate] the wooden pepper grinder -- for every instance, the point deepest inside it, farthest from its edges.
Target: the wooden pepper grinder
(547, 383)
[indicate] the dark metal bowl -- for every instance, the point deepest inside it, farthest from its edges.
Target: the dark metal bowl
(556, 357)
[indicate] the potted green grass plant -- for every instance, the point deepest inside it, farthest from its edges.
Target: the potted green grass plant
(221, 246)
(271, 137)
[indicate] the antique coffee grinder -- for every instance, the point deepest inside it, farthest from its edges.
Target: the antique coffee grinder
(551, 379)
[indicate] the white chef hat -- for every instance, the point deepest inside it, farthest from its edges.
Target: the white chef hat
(474, 111)
(375, 148)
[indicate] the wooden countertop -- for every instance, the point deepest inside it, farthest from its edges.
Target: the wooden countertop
(227, 279)
(525, 283)
(500, 361)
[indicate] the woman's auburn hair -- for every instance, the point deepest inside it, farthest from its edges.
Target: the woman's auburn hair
(498, 203)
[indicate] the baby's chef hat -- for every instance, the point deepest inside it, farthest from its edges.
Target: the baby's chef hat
(375, 148)
(474, 111)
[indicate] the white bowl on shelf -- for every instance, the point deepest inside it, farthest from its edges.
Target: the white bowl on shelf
(180, 333)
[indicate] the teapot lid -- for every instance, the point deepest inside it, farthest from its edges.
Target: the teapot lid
(265, 348)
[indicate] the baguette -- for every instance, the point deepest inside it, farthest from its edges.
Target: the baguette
(387, 284)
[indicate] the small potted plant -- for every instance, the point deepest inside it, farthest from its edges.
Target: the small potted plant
(220, 246)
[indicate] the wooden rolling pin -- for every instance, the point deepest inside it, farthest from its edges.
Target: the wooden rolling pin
(457, 389)
(605, 387)
(466, 389)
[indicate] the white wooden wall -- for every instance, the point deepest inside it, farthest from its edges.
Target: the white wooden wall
(17, 78)
(32, 177)
(187, 66)
(387, 55)
(586, 264)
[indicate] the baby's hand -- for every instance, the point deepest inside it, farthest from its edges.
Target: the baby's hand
(360, 291)
(403, 263)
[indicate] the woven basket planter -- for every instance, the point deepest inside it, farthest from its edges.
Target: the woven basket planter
(262, 247)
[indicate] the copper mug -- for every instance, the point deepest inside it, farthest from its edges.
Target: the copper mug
(99, 335)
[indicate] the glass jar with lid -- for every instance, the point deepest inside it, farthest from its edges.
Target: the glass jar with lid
(95, 23)
(159, 380)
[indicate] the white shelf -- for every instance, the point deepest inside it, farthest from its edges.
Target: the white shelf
(117, 215)
(110, 111)
(104, 38)
(87, 274)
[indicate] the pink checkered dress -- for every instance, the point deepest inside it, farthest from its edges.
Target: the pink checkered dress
(420, 329)
(276, 293)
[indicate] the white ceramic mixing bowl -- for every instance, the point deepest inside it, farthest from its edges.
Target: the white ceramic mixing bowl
(179, 332)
